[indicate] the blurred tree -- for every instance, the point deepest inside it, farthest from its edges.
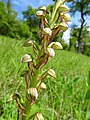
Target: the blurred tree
(73, 38)
(7, 18)
(83, 7)
(74, 35)
(30, 18)
(86, 46)
(3, 18)
(9, 8)
(9, 24)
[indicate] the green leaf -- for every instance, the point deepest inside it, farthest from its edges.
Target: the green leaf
(33, 110)
(76, 79)
(87, 95)
(1, 118)
(88, 115)
(89, 80)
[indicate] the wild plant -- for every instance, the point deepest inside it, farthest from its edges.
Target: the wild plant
(52, 23)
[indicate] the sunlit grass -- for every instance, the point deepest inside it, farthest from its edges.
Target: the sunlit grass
(64, 97)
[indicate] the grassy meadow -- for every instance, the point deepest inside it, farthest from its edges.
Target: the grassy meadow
(64, 98)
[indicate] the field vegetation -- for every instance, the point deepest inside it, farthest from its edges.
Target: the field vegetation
(65, 97)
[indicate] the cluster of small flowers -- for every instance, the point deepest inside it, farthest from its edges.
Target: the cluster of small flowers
(62, 15)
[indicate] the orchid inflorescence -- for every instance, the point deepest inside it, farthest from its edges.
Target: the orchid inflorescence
(35, 75)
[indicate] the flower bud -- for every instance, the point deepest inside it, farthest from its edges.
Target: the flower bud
(39, 13)
(52, 73)
(26, 58)
(31, 43)
(66, 17)
(28, 43)
(43, 8)
(39, 116)
(33, 92)
(42, 86)
(47, 31)
(51, 52)
(63, 9)
(55, 45)
(63, 26)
